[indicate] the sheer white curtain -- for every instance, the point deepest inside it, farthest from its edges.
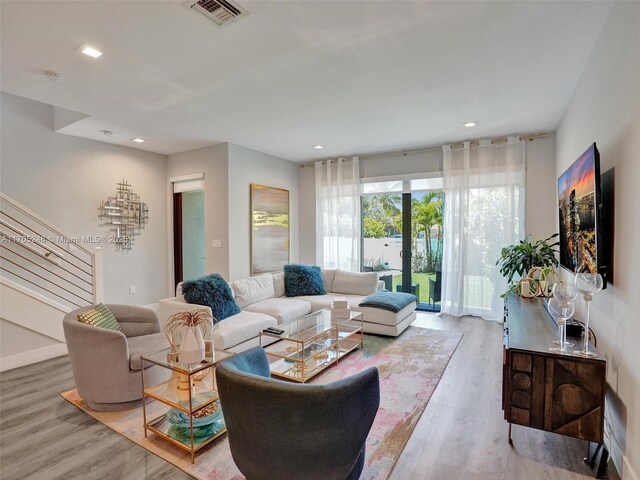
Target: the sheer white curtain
(484, 188)
(338, 214)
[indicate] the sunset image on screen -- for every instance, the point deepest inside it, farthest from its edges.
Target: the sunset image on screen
(576, 198)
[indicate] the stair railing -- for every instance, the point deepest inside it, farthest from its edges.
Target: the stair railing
(41, 257)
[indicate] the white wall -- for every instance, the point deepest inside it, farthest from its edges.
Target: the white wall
(14, 337)
(541, 187)
(229, 169)
(401, 164)
(540, 197)
(605, 108)
(307, 214)
(248, 166)
(64, 178)
(213, 162)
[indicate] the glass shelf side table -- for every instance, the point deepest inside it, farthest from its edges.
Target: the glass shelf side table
(190, 416)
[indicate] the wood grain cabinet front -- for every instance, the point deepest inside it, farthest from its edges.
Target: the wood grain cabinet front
(558, 393)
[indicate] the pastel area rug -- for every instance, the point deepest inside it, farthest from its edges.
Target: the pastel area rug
(410, 367)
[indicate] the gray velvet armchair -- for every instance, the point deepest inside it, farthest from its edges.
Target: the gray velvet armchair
(283, 431)
(106, 363)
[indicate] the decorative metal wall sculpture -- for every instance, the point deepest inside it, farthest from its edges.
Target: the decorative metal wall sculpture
(125, 214)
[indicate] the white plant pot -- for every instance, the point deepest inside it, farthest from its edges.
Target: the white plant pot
(192, 345)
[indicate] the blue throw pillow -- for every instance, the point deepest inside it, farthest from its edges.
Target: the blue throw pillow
(303, 280)
(211, 291)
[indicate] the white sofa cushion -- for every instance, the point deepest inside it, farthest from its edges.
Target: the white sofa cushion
(318, 302)
(354, 283)
(253, 289)
(327, 278)
(278, 284)
(170, 306)
(283, 309)
(239, 328)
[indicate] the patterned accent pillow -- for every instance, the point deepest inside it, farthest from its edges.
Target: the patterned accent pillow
(303, 280)
(100, 316)
(214, 292)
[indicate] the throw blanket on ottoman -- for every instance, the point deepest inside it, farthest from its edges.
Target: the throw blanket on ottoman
(392, 301)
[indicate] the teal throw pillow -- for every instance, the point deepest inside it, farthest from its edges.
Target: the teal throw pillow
(212, 291)
(303, 280)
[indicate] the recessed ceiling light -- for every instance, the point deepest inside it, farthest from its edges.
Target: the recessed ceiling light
(470, 124)
(318, 147)
(138, 140)
(87, 50)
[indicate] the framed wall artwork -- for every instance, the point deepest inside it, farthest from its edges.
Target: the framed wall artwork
(269, 229)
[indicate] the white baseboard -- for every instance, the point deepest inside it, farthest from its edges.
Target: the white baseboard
(627, 472)
(619, 459)
(32, 356)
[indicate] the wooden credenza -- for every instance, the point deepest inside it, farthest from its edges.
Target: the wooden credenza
(559, 393)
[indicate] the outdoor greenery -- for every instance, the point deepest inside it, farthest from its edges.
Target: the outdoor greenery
(373, 228)
(379, 212)
(427, 214)
(420, 278)
(383, 218)
(518, 259)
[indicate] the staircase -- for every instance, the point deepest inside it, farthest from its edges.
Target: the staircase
(44, 273)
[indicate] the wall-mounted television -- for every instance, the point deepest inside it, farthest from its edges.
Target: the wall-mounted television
(582, 243)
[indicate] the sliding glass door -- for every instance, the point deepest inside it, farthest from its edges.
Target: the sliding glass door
(402, 236)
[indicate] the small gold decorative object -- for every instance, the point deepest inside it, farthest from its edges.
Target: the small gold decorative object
(198, 377)
(538, 282)
(550, 278)
(208, 410)
(527, 287)
(173, 357)
(184, 387)
(299, 369)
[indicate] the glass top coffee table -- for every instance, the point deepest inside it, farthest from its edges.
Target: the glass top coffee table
(312, 343)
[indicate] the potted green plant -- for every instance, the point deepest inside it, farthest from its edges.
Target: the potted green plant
(518, 259)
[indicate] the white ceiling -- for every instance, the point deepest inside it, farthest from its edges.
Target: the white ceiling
(356, 77)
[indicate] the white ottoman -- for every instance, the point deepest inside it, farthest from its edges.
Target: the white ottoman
(384, 322)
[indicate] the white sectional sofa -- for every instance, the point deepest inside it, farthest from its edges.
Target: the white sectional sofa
(263, 303)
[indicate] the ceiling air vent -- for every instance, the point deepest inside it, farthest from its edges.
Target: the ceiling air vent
(220, 11)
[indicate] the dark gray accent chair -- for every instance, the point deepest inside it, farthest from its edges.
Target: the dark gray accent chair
(106, 363)
(435, 288)
(284, 431)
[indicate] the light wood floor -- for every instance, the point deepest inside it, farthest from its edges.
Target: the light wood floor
(461, 435)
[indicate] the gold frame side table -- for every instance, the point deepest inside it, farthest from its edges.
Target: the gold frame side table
(190, 390)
